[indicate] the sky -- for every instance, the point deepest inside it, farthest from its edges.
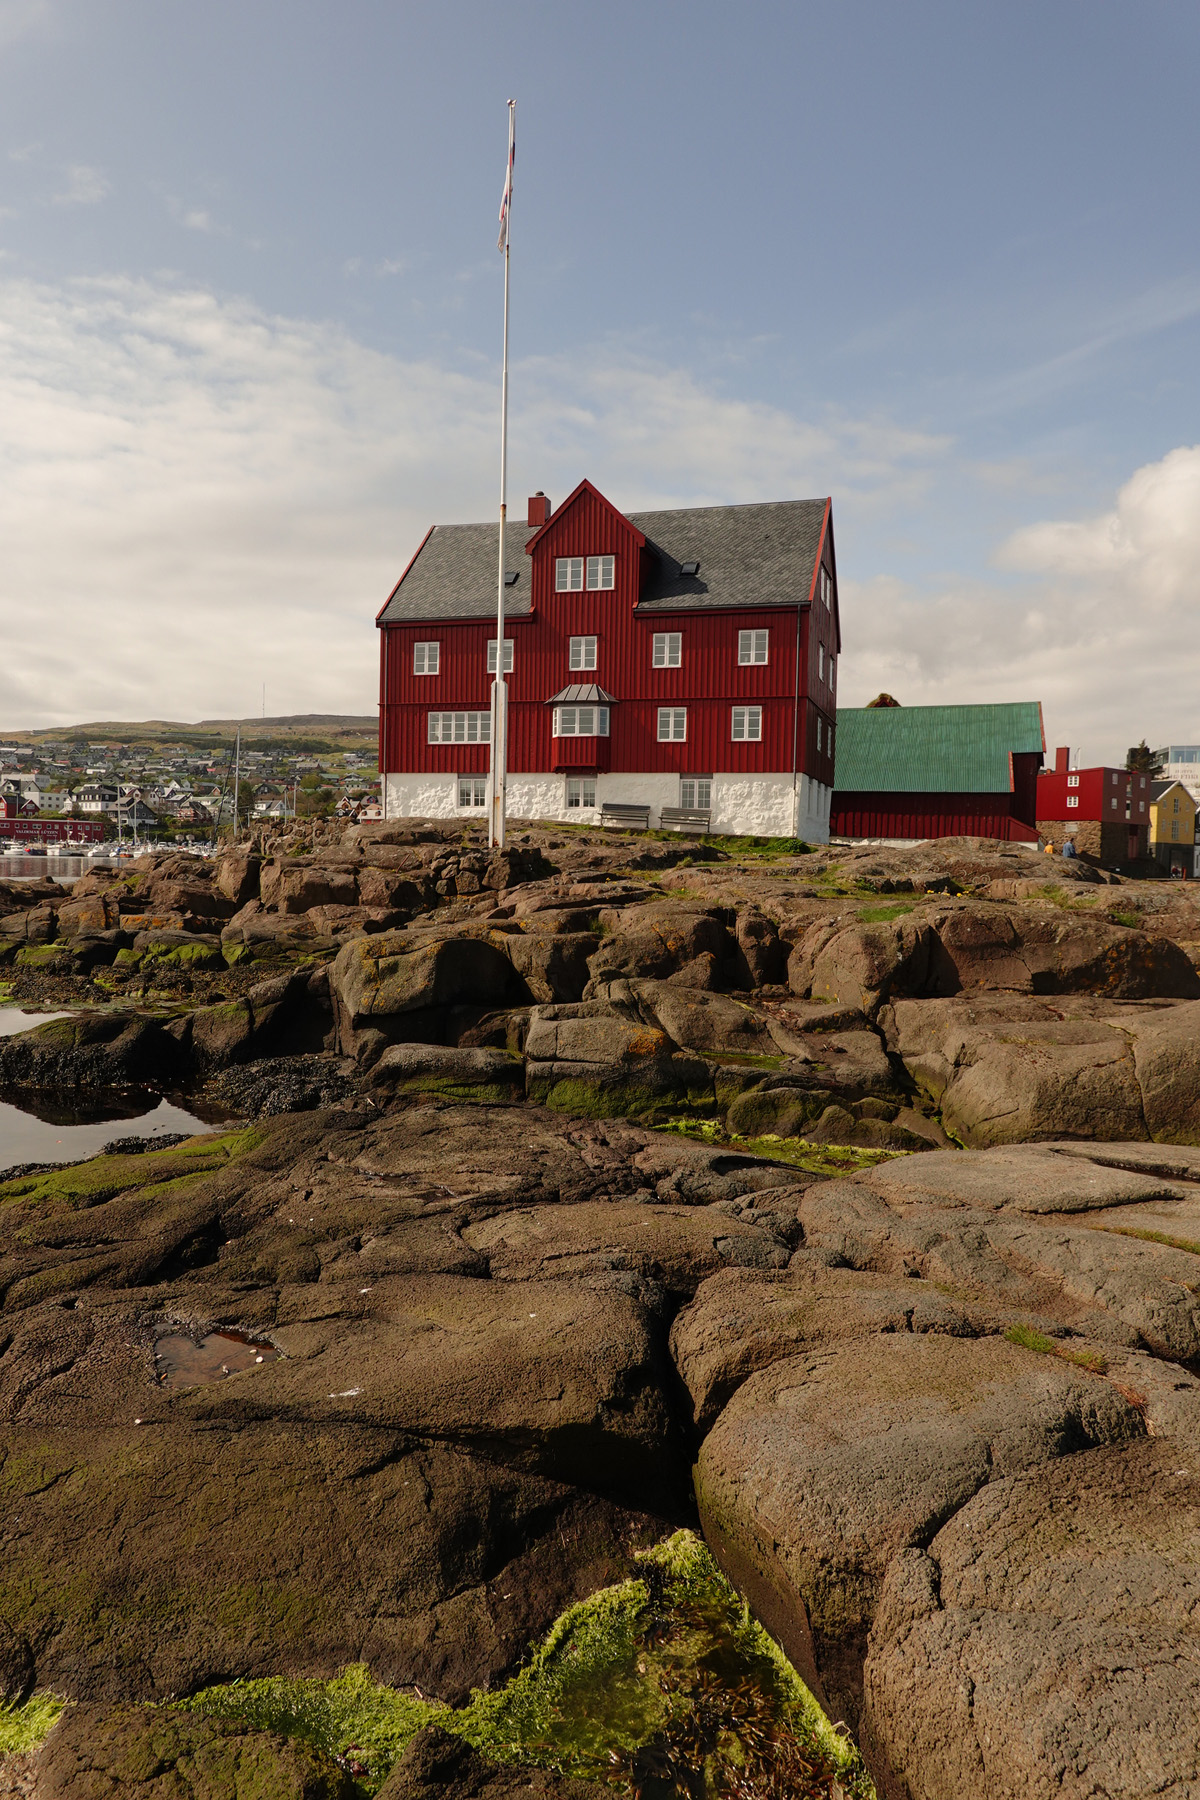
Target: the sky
(938, 261)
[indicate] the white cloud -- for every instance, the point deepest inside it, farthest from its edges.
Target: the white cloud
(22, 18)
(86, 186)
(1097, 619)
(196, 496)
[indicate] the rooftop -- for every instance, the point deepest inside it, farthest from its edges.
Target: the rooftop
(934, 749)
(760, 554)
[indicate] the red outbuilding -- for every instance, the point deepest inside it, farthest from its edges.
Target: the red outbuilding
(1105, 811)
(679, 660)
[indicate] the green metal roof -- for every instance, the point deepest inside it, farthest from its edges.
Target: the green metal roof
(933, 749)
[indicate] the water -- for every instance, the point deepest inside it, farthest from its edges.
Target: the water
(183, 1361)
(40, 1127)
(66, 869)
(14, 1019)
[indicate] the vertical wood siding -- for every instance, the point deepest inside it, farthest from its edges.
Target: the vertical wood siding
(927, 816)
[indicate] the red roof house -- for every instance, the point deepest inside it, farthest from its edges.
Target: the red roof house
(683, 659)
(1105, 810)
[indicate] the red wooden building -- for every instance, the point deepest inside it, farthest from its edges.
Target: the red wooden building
(684, 658)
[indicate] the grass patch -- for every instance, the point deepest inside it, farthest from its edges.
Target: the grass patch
(1153, 1237)
(1120, 916)
(1030, 1339)
(660, 1685)
(25, 1727)
(90, 1183)
(798, 1153)
(876, 914)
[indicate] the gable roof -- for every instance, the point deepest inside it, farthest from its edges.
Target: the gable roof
(760, 554)
(934, 749)
(1159, 789)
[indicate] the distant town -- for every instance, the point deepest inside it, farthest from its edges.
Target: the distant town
(172, 783)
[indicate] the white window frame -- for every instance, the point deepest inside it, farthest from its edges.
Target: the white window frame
(582, 653)
(579, 788)
(753, 647)
(672, 724)
(601, 574)
(1113, 803)
(568, 574)
(667, 650)
(508, 656)
(1072, 799)
(423, 662)
(745, 725)
(820, 662)
(476, 786)
(825, 587)
(1072, 781)
(818, 734)
(458, 728)
(580, 721)
(695, 793)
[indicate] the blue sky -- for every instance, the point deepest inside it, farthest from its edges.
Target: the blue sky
(939, 260)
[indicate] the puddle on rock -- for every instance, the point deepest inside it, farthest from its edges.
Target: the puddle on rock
(181, 1361)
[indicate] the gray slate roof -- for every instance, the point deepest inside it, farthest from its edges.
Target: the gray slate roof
(760, 554)
(581, 694)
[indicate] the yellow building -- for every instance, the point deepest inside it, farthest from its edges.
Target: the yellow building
(1172, 826)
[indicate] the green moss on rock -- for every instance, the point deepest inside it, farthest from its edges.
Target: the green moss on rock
(89, 1183)
(668, 1670)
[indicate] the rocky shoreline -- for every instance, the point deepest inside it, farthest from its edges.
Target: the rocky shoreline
(840, 1207)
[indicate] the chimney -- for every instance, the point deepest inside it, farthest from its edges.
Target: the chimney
(1062, 760)
(539, 509)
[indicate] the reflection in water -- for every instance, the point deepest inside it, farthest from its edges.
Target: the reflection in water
(15, 1018)
(39, 1126)
(181, 1361)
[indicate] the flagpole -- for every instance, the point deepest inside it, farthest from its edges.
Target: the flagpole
(499, 732)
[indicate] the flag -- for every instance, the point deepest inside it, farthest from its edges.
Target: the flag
(506, 197)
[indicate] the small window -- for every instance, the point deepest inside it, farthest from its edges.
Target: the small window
(1072, 799)
(460, 728)
(1114, 780)
(1141, 806)
(826, 588)
(1072, 781)
(568, 574)
(1175, 804)
(672, 724)
(581, 791)
(747, 724)
(472, 790)
(508, 656)
(695, 793)
(818, 734)
(1175, 829)
(601, 571)
(581, 721)
(425, 659)
(1113, 803)
(752, 646)
(668, 649)
(583, 653)
(820, 662)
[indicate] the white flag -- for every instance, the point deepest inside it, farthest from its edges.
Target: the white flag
(506, 197)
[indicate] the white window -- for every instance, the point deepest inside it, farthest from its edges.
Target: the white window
(425, 659)
(568, 574)
(1072, 799)
(1141, 806)
(581, 721)
(472, 790)
(672, 724)
(601, 571)
(818, 734)
(460, 728)
(747, 724)
(581, 791)
(752, 646)
(1072, 781)
(1113, 779)
(583, 653)
(695, 793)
(820, 662)
(508, 656)
(668, 649)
